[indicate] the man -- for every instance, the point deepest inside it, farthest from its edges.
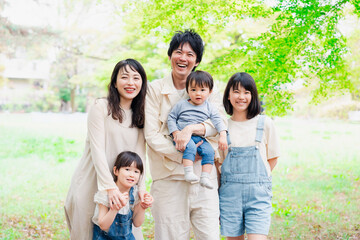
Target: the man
(179, 204)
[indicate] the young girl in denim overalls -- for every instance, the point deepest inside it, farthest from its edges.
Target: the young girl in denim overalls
(245, 191)
(116, 223)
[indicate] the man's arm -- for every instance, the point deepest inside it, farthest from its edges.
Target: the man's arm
(152, 127)
(181, 138)
(172, 119)
(203, 129)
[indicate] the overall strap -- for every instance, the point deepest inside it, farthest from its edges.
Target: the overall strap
(260, 129)
(131, 196)
(228, 137)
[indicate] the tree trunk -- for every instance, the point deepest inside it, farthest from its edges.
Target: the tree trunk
(72, 100)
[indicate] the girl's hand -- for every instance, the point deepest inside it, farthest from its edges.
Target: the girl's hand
(124, 198)
(148, 200)
(141, 194)
(114, 198)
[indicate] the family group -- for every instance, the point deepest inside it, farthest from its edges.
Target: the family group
(210, 155)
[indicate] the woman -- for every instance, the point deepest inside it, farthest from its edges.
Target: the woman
(115, 124)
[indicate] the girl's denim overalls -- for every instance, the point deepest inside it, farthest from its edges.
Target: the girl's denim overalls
(121, 228)
(245, 191)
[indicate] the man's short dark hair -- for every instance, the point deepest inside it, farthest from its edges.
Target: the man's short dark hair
(188, 36)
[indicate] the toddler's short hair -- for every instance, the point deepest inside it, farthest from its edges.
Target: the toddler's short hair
(201, 79)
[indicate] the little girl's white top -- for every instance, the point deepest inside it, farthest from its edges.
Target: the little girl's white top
(242, 134)
(101, 197)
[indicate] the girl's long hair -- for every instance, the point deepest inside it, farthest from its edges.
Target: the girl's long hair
(245, 80)
(137, 104)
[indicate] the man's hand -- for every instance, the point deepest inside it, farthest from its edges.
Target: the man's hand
(197, 156)
(181, 138)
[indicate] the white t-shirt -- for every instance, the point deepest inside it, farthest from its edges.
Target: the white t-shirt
(181, 92)
(242, 134)
(101, 197)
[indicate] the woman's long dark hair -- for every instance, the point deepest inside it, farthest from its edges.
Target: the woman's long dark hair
(137, 104)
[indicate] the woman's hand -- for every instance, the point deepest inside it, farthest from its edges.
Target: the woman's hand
(115, 199)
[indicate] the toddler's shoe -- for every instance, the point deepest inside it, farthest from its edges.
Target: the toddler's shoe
(205, 182)
(191, 177)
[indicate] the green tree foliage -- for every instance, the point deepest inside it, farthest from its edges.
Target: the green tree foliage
(279, 42)
(293, 40)
(353, 62)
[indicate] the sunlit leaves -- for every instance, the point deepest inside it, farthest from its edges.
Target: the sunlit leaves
(163, 18)
(290, 41)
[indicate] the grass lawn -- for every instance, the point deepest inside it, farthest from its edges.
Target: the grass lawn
(316, 185)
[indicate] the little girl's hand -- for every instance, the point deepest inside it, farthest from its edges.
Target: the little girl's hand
(124, 198)
(141, 194)
(148, 200)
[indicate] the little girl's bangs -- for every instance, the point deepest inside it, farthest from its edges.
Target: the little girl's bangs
(125, 159)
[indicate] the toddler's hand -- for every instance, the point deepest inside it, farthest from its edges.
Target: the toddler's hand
(148, 200)
(223, 143)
